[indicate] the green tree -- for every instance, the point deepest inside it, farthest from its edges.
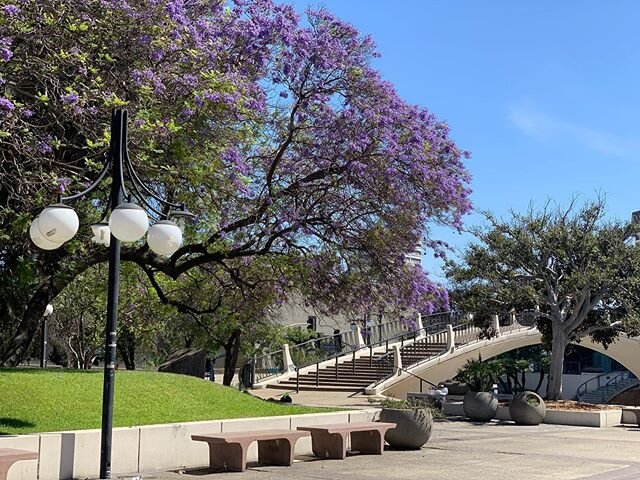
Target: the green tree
(577, 270)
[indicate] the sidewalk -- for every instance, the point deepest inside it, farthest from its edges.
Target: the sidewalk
(318, 399)
(462, 450)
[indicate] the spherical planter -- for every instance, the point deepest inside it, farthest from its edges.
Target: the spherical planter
(413, 427)
(480, 406)
(527, 408)
(456, 388)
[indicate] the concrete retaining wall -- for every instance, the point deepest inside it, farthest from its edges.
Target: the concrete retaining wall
(600, 419)
(76, 454)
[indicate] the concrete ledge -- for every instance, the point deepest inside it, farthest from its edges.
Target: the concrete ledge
(631, 415)
(26, 469)
(71, 455)
(598, 419)
(601, 419)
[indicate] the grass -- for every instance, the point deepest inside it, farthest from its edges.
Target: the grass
(33, 400)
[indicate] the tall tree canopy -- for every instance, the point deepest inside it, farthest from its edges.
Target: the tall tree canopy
(276, 131)
(580, 272)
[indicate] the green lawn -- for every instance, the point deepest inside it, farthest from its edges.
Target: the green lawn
(33, 400)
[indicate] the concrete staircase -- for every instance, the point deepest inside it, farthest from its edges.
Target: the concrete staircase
(606, 392)
(350, 376)
(420, 350)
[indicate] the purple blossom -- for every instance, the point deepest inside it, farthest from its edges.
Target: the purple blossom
(11, 10)
(5, 48)
(44, 148)
(63, 184)
(27, 113)
(70, 98)
(6, 105)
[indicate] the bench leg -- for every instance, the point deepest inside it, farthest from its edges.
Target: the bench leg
(4, 469)
(276, 452)
(229, 456)
(368, 442)
(325, 445)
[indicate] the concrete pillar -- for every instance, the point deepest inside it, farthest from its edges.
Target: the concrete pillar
(287, 360)
(496, 325)
(451, 339)
(397, 360)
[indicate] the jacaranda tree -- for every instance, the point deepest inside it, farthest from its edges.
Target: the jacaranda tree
(275, 130)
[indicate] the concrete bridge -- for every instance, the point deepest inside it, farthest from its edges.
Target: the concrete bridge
(397, 362)
(466, 345)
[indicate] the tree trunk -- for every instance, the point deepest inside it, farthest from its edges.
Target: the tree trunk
(231, 351)
(558, 347)
(127, 347)
(15, 350)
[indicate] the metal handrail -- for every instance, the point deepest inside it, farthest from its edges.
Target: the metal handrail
(583, 390)
(272, 364)
(342, 344)
(389, 341)
(405, 371)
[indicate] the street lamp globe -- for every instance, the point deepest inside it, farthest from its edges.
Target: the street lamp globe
(128, 222)
(164, 237)
(58, 223)
(38, 239)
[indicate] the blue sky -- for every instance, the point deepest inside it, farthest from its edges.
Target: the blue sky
(545, 94)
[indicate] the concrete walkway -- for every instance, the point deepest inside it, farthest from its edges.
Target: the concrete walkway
(462, 450)
(318, 399)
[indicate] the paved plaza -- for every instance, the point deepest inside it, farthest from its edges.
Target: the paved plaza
(459, 450)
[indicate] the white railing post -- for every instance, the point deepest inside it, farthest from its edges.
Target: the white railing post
(359, 337)
(287, 360)
(419, 327)
(451, 339)
(397, 360)
(496, 325)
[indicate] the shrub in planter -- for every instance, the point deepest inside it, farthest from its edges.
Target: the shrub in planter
(479, 405)
(414, 422)
(455, 387)
(527, 408)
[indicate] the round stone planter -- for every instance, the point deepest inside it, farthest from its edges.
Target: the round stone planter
(527, 408)
(480, 406)
(456, 388)
(413, 427)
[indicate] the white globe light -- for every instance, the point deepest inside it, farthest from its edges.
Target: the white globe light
(164, 238)
(128, 222)
(58, 223)
(48, 311)
(38, 239)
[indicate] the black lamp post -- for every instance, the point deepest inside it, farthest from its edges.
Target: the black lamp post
(128, 222)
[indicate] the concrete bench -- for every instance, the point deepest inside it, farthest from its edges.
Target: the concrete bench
(9, 456)
(229, 450)
(330, 441)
